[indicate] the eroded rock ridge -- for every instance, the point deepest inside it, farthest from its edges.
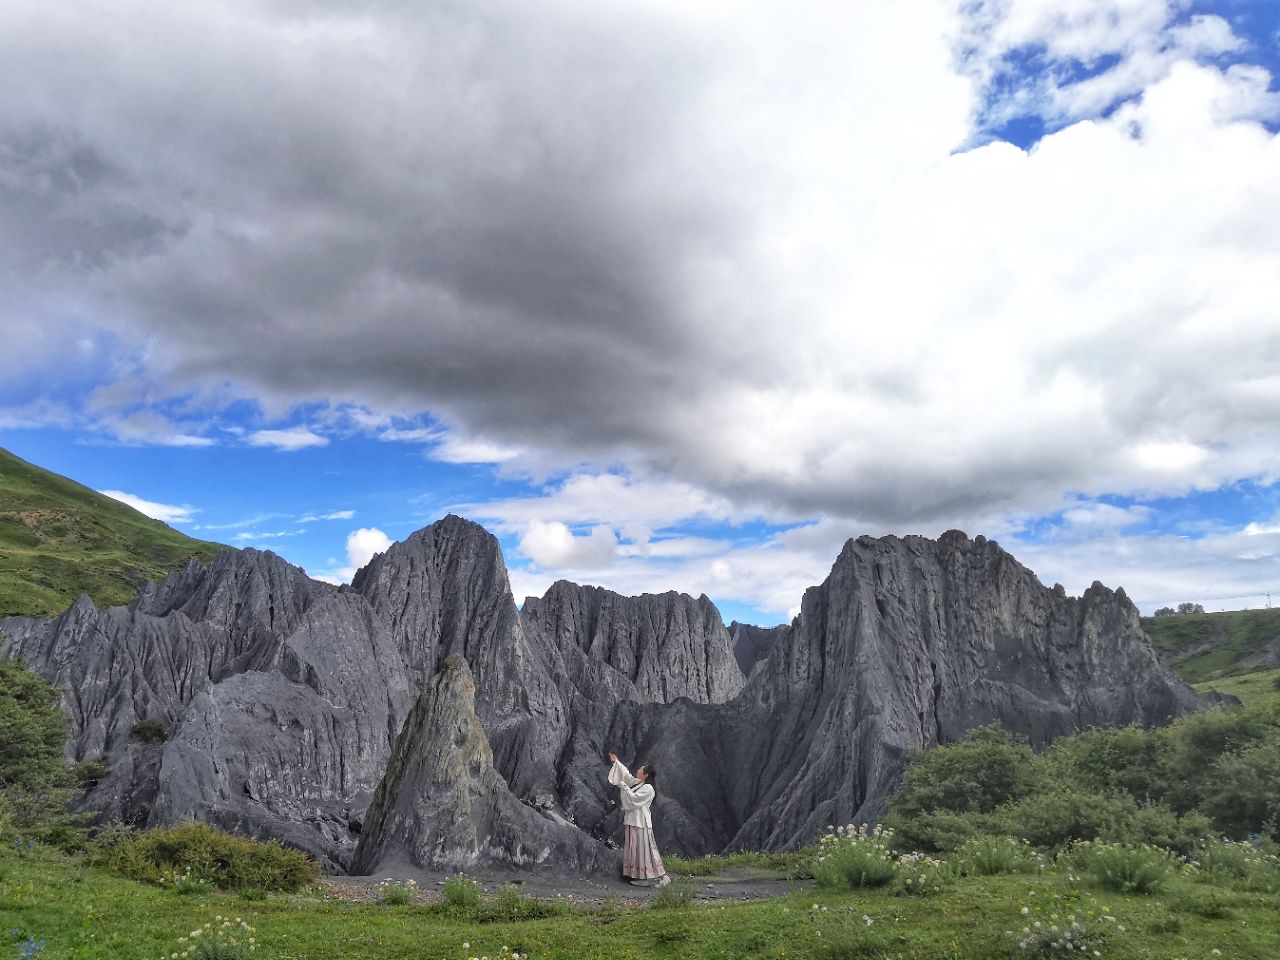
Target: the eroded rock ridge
(419, 715)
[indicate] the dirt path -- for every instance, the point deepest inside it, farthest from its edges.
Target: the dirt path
(734, 884)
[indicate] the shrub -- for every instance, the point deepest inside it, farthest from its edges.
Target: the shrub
(221, 939)
(35, 783)
(149, 731)
(677, 894)
(397, 893)
(1122, 867)
(220, 858)
(185, 883)
(920, 875)
(1055, 818)
(1244, 795)
(88, 772)
(510, 904)
(1158, 826)
(1060, 924)
(1238, 864)
(462, 892)
(980, 773)
(252, 894)
(992, 856)
(855, 856)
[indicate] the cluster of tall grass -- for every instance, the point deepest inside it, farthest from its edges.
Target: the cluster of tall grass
(1208, 774)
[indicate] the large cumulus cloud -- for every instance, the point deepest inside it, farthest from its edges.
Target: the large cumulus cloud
(758, 250)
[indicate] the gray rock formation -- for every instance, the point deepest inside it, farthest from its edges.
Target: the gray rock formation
(667, 645)
(751, 645)
(907, 644)
(443, 806)
(286, 700)
(281, 698)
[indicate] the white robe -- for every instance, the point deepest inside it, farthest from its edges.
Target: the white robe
(636, 797)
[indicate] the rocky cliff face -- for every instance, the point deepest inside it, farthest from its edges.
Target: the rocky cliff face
(290, 704)
(443, 806)
(907, 644)
(751, 645)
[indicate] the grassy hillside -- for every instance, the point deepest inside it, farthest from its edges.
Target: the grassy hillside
(1201, 646)
(59, 539)
(1258, 689)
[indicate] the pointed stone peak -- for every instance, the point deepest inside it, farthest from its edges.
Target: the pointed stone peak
(442, 805)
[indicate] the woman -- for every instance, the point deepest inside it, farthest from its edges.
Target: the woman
(641, 863)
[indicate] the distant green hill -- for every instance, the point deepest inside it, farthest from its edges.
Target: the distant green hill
(1202, 646)
(59, 539)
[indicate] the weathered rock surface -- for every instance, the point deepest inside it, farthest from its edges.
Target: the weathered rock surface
(286, 700)
(668, 645)
(907, 644)
(281, 701)
(442, 805)
(751, 645)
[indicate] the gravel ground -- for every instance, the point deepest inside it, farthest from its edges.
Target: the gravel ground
(735, 884)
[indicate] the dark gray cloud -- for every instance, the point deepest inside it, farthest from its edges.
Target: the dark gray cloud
(734, 248)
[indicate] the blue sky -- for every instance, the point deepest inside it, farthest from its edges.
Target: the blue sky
(661, 310)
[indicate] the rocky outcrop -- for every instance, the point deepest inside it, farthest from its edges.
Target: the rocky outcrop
(280, 699)
(907, 644)
(667, 645)
(287, 702)
(443, 806)
(751, 645)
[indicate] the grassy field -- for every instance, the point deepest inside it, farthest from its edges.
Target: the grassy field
(90, 914)
(59, 539)
(1232, 636)
(1253, 689)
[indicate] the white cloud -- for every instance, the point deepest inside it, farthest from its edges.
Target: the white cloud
(248, 536)
(362, 544)
(335, 515)
(289, 440)
(169, 513)
(552, 545)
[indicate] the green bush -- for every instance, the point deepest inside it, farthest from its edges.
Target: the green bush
(855, 856)
(677, 894)
(1055, 818)
(397, 893)
(1226, 862)
(920, 875)
(462, 892)
(209, 854)
(221, 939)
(149, 731)
(252, 894)
(88, 772)
(992, 856)
(1122, 867)
(987, 769)
(35, 784)
(1243, 795)
(510, 904)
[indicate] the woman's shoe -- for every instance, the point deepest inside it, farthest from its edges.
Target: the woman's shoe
(663, 881)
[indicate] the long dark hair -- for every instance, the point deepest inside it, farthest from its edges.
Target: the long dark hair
(650, 775)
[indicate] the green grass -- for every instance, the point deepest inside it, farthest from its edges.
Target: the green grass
(1232, 635)
(59, 539)
(796, 863)
(105, 916)
(1257, 689)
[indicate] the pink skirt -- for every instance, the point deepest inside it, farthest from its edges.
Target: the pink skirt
(640, 859)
